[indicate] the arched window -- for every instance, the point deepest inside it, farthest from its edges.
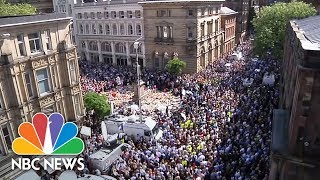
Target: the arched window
(130, 29)
(81, 29)
(114, 29)
(100, 29)
(94, 30)
(202, 57)
(122, 29)
(120, 48)
(107, 29)
(139, 31)
(93, 46)
(87, 29)
(105, 46)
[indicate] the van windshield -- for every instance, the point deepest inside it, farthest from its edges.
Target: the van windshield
(155, 130)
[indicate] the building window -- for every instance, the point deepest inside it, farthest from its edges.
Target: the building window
(190, 12)
(43, 81)
(79, 16)
(6, 131)
(113, 14)
(210, 11)
(34, 42)
(48, 39)
(114, 29)
(22, 48)
(100, 29)
(106, 15)
(122, 29)
(99, 15)
(203, 10)
(130, 29)
(129, 14)
(164, 32)
(28, 80)
(190, 33)
(87, 29)
(86, 15)
(157, 62)
(121, 14)
(139, 31)
(77, 105)
(138, 14)
(164, 13)
(105, 46)
(72, 72)
(92, 15)
(94, 30)
(107, 59)
(202, 29)
(93, 46)
(107, 29)
(81, 29)
(120, 48)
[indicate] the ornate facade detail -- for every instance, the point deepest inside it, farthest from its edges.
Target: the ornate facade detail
(51, 59)
(46, 101)
(22, 66)
(57, 96)
(39, 63)
(71, 55)
(3, 117)
(76, 89)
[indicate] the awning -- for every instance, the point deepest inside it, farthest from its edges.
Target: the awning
(31, 174)
(68, 175)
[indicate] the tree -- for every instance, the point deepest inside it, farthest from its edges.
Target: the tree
(98, 103)
(7, 9)
(175, 66)
(271, 23)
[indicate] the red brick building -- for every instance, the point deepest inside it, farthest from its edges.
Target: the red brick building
(228, 24)
(296, 145)
(242, 7)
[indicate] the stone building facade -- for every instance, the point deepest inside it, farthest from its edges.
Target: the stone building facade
(106, 30)
(300, 99)
(228, 24)
(38, 73)
(242, 7)
(190, 30)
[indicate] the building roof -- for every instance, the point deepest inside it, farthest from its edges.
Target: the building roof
(309, 28)
(176, 1)
(227, 11)
(31, 19)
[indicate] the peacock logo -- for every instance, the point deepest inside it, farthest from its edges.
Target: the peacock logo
(48, 137)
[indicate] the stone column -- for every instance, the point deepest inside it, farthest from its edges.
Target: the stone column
(87, 50)
(114, 61)
(128, 53)
(99, 51)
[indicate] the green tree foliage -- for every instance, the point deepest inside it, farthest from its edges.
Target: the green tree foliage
(7, 9)
(271, 23)
(98, 103)
(175, 66)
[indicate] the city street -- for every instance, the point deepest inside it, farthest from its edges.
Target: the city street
(221, 130)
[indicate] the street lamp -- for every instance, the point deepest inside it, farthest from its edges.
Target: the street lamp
(136, 47)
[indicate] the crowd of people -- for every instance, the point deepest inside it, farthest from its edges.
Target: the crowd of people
(221, 130)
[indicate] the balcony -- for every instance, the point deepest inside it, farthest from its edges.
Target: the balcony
(164, 40)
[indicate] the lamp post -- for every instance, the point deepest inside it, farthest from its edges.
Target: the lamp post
(136, 45)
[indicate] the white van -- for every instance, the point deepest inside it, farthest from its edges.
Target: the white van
(131, 126)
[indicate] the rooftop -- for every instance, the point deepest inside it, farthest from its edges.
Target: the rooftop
(30, 19)
(308, 31)
(227, 11)
(177, 1)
